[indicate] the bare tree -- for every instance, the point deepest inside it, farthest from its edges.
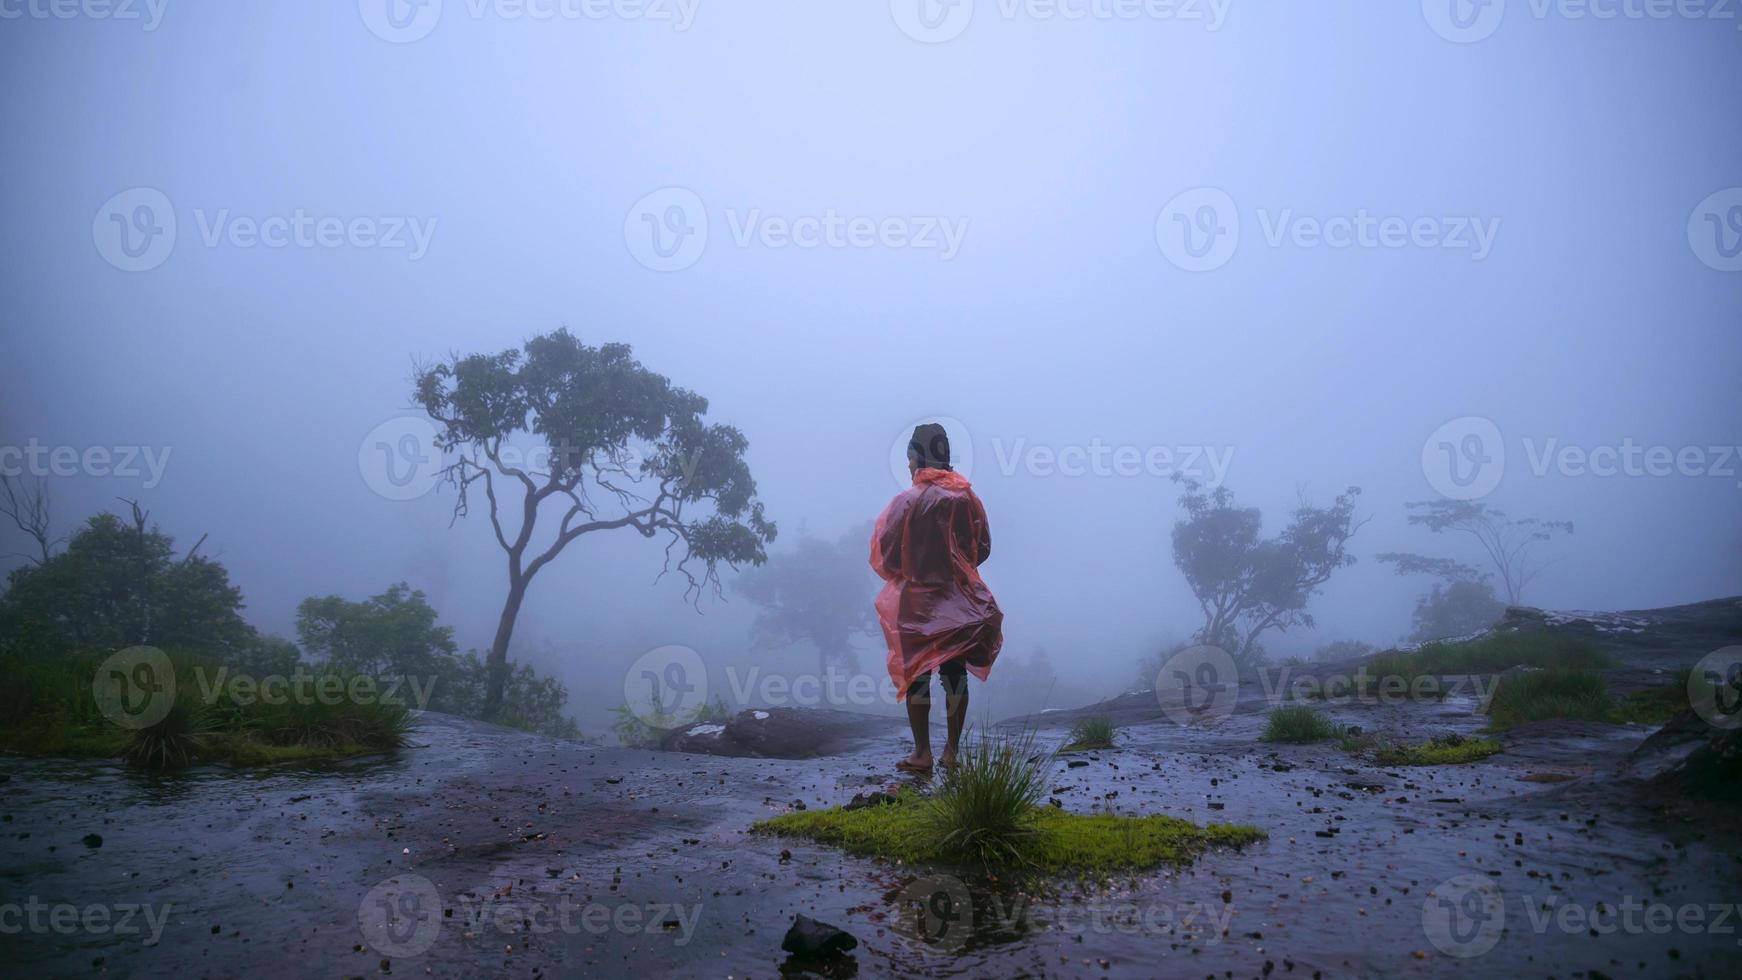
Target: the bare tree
(27, 505)
(1509, 544)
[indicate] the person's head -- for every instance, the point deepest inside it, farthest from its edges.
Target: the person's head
(928, 449)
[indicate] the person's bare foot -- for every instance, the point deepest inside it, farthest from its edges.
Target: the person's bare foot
(915, 763)
(948, 759)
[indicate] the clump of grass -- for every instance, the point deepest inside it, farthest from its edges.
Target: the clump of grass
(985, 808)
(1491, 654)
(1299, 724)
(1447, 750)
(1656, 705)
(1054, 841)
(1549, 694)
(178, 740)
(1093, 732)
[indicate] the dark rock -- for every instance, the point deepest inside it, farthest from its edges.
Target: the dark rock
(93, 841)
(779, 733)
(808, 937)
(874, 797)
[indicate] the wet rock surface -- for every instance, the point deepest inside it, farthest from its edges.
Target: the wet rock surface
(780, 733)
(484, 851)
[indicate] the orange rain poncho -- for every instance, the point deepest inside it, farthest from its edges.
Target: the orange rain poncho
(934, 607)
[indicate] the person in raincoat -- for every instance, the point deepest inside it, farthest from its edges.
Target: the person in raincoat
(936, 612)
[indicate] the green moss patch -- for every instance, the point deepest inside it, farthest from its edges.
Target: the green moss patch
(1448, 751)
(1549, 777)
(1056, 840)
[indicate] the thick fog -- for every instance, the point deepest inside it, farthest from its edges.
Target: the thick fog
(999, 222)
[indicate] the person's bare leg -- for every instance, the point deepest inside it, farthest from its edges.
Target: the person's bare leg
(919, 719)
(955, 716)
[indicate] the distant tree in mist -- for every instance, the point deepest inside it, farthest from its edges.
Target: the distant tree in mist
(1338, 650)
(1247, 584)
(620, 448)
(394, 633)
(1461, 602)
(1511, 545)
(818, 593)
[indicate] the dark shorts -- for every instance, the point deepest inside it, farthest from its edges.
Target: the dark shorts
(955, 680)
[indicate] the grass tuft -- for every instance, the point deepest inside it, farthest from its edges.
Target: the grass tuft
(985, 808)
(1549, 694)
(1299, 724)
(1093, 732)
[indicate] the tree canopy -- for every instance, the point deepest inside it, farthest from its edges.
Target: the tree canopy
(617, 447)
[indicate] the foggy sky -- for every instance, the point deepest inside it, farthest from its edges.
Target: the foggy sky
(1584, 144)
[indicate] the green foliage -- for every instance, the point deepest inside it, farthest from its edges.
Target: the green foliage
(986, 805)
(396, 634)
(1548, 694)
(116, 586)
(1491, 654)
(391, 634)
(47, 708)
(1093, 732)
(1054, 841)
(1299, 724)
